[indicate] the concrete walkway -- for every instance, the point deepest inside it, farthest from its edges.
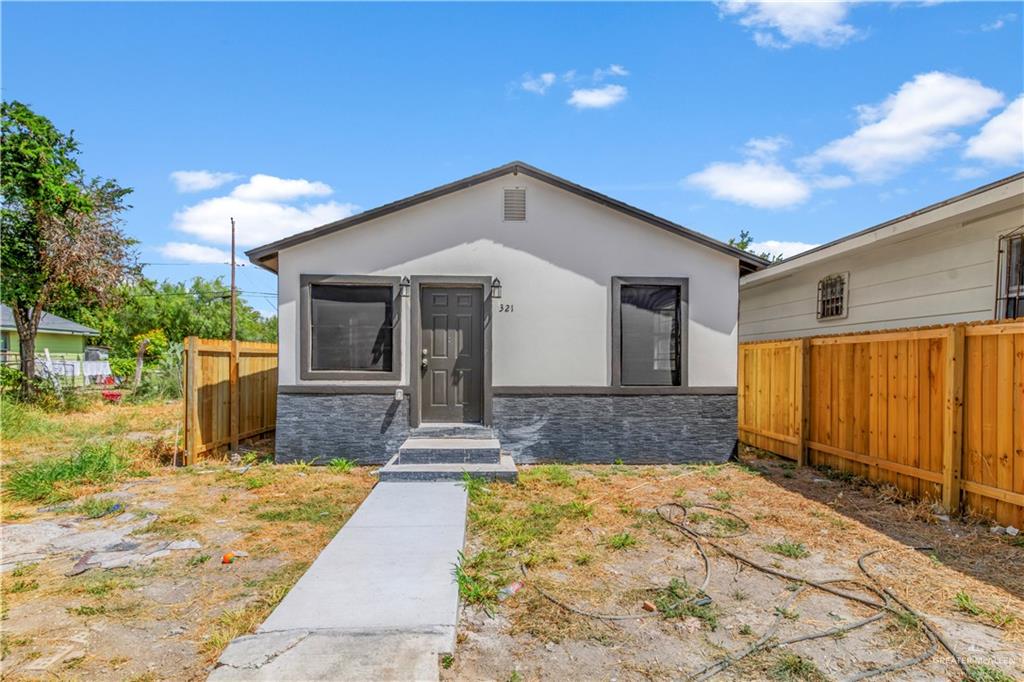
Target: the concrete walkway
(379, 603)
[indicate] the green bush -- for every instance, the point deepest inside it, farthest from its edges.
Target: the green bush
(48, 479)
(10, 378)
(123, 368)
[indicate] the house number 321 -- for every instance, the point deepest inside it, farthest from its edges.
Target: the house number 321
(505, 308)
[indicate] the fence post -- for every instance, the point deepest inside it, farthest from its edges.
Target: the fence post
(233, 396)
(191, 400)
(953, 419)
(804, 397)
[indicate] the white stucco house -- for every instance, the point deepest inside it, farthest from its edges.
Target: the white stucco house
(558, 321)
(959, 260)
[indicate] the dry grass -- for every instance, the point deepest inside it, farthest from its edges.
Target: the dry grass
(797, 523)
(169, 619)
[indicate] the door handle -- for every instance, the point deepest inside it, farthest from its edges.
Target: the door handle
(423, 362)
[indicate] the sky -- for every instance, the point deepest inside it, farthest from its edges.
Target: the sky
(799, 123)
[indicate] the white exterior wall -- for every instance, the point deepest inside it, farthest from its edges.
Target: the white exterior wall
(935, 273)
(555, 269)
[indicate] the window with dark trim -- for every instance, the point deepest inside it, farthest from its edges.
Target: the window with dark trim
(649, 325)
(1010, 299)
(350, 327)
(832, 297)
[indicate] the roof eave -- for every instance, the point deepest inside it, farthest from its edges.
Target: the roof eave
(263, 255)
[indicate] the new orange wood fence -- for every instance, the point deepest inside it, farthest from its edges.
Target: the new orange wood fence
(230, 393)
(938, 412)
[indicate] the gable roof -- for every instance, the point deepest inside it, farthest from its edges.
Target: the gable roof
(266, 255)
(53, 324)
(1000, 193)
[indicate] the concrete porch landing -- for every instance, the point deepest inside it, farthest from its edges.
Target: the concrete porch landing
(380, 602)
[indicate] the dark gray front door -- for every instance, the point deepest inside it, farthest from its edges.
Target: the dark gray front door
(452, 354)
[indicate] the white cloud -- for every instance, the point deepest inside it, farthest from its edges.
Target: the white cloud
(612, 70)
(909, 125)
(538, 85)
(264, 211)
(597, 98)
(969, 173)
(1001, 139)
(999, 23)
(783, 24)
(200, 180)
(832, 181)
(755, 183)
(269, 188)
(787, 249)
(195, 253)
(765, 147)
(258, 222)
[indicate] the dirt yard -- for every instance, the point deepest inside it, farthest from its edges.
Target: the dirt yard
(613, 591)
(122, 577)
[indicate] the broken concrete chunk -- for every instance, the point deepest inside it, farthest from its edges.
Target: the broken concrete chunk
(184, 544)
(1012, 531)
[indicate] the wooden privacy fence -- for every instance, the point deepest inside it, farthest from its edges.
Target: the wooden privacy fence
(938, 412)
(230, 393)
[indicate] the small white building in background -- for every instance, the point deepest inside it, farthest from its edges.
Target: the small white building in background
(572, 325)
(959, 260)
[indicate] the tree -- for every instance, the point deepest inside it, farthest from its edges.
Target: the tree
(743, 243)
(60, 235)
(170, 311)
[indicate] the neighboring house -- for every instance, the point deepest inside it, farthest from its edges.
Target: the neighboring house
(578, 327)
(955, 261)
(64, 339)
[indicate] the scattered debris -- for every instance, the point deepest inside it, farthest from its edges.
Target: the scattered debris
(510, 590)
(649, 606)
(1012, 531)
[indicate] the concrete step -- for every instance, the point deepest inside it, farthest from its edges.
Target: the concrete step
(449, 451)
(503, 470)
(452, 431)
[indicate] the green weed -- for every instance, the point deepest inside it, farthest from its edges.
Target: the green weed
(49, 479)
(556, 474)
(341, 465)
(621, 541)
(476, 487)
(679, 600)
(792, 667)
(793, 550)
(979, 672)
(95, 507)
(966, 603)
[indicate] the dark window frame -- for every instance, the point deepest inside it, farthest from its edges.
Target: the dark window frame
(683, 285)
(306, 337)
(826, 307)
(1008, 294)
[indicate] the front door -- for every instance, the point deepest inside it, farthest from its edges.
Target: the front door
(451, 354)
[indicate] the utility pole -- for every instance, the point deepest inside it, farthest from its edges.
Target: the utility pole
(233, 401)
(234, 294)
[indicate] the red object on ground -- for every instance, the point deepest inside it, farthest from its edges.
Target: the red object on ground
(111, 396)
(228, 558)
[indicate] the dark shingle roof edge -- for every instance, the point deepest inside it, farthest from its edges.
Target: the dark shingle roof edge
(260, 254)
(49, 323)
(907, 216)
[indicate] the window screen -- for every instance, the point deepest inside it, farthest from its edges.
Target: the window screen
(832, 297)
(650, 335)
(351, 327)
(1011, 274)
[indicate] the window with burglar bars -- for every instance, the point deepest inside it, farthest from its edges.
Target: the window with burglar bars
(1010, 297)
(832, 297)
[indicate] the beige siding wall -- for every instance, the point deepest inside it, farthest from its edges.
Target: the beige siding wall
(941, 273)
(556, 271)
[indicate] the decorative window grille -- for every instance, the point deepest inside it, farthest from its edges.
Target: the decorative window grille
(832, 297)
(1010, 294)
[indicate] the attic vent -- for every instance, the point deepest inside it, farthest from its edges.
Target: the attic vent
(515, 204)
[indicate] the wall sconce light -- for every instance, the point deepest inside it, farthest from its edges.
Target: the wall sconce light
(496, 288)
(403, 287)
